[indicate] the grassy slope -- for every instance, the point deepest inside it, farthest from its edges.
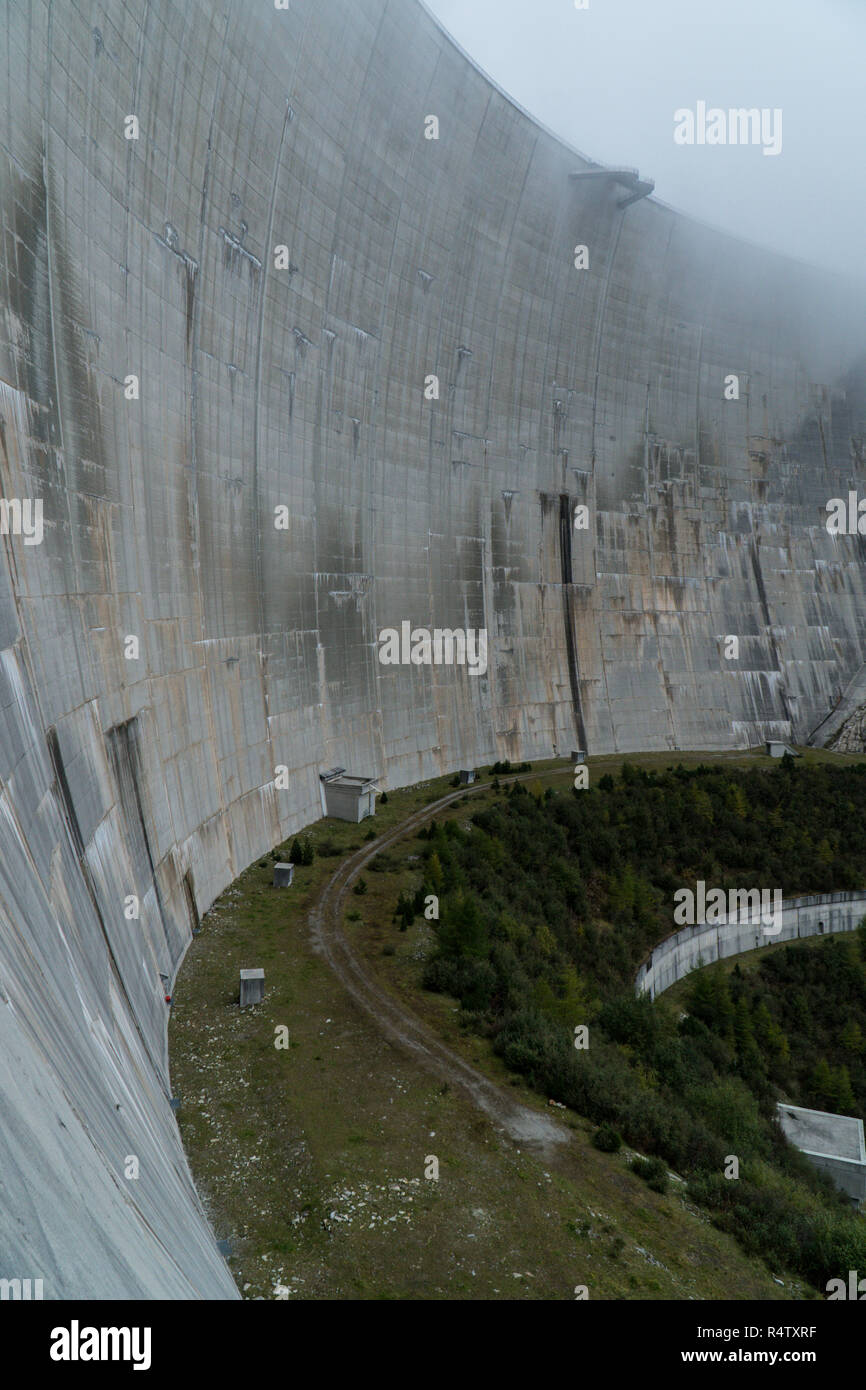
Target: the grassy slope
(312, 1159)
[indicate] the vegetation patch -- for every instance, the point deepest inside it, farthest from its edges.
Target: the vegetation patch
(312, 1158)
(547, 901)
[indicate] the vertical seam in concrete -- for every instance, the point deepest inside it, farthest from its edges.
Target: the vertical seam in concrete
(198, 596)
(602, 313)
(58, 391)
(258, 520)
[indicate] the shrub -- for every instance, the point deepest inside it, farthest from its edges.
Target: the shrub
(404, 912)
(583, 884)
(653, 1172)
(383, 863)
(630, 1018)
(472, 982)
(607, 1139)
(360, 887)
(731, 1110)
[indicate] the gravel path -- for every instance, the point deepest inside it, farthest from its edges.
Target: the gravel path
(527, 1127)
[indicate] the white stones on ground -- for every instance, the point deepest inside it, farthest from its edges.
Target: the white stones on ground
(365, 1201)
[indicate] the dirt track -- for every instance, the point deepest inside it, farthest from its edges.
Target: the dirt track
(525, 1126)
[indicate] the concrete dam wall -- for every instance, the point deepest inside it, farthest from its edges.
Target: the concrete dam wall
(169, 638)
(819, 914)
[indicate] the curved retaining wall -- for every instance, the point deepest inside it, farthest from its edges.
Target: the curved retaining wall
(818, 915)
(151, 772)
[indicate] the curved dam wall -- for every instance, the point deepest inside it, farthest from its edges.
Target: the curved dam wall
(165, 647)
(818, 915)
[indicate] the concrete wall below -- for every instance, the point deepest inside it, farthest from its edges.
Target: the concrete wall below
(821, 914)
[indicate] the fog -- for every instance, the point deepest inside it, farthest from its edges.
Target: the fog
(609, 79)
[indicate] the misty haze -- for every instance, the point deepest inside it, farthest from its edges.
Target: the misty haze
(609, 79)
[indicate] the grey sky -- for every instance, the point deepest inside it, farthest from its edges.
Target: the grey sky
(608, 79)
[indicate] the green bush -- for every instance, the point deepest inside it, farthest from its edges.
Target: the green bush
(653, 1172)
(404, 912)
(471, 982)
(302, 851)
(548, 904)
(383, 863)
(607, 1139)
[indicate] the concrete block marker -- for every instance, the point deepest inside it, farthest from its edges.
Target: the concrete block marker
(252, 987)
(283, 875)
